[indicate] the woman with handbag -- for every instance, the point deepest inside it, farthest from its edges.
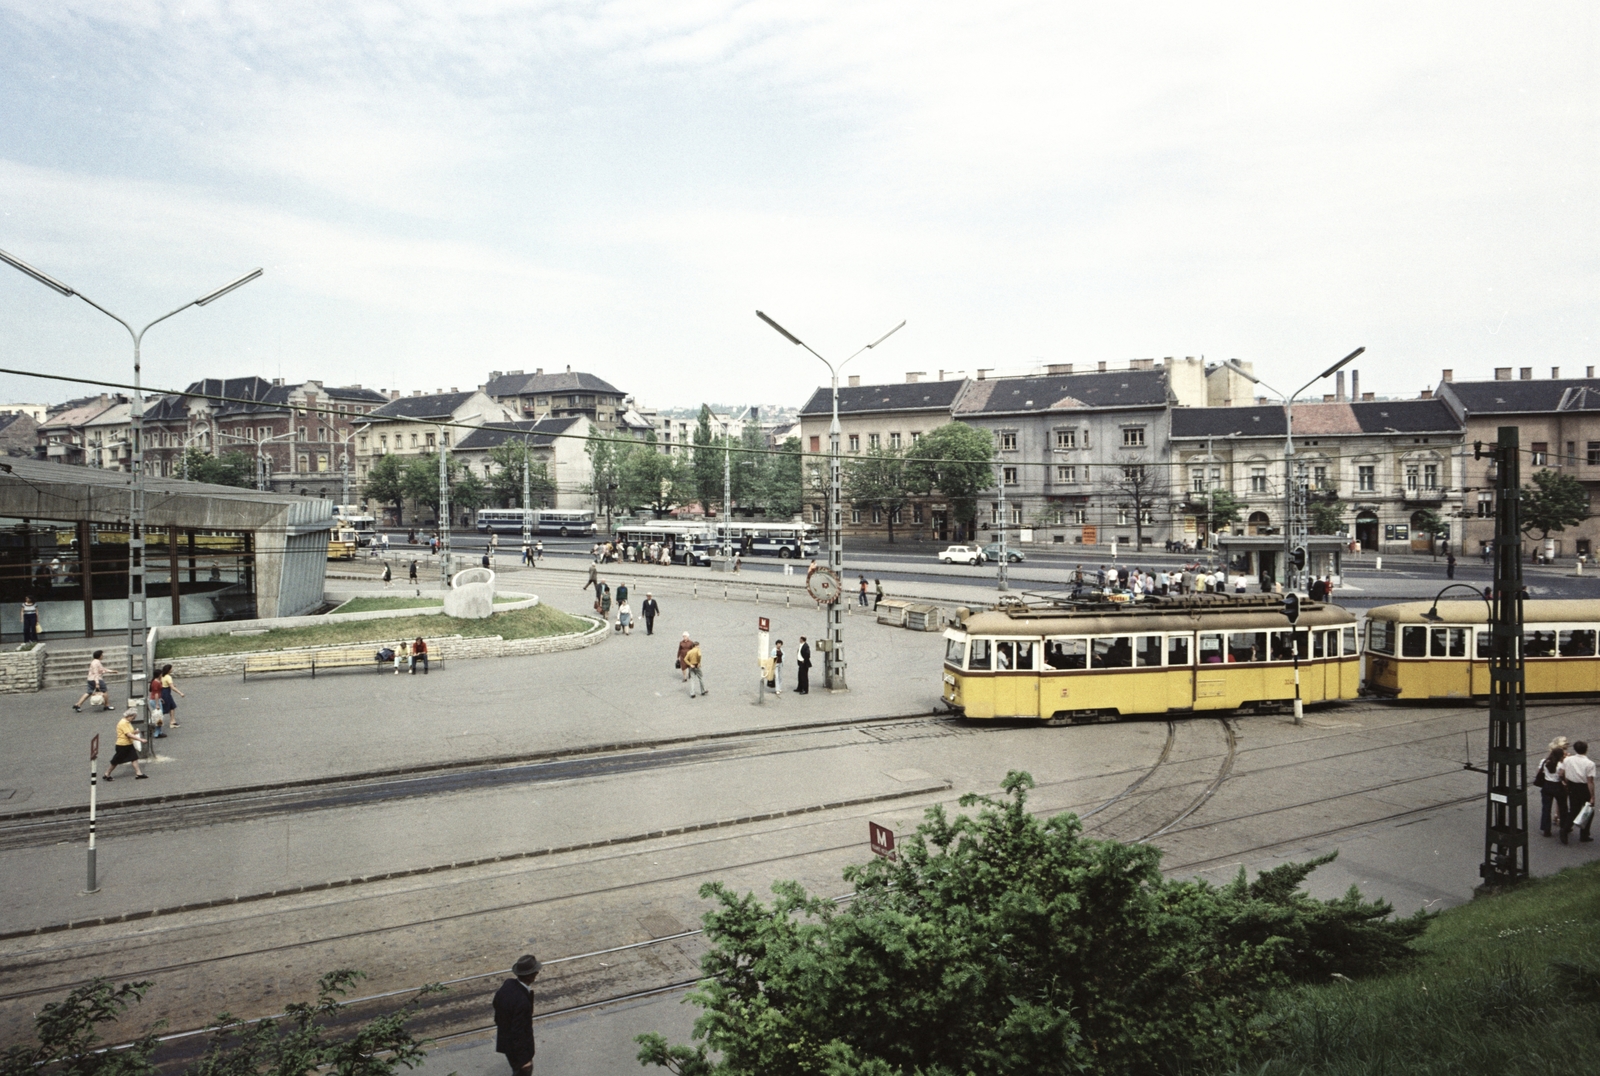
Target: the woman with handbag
(1548, 778)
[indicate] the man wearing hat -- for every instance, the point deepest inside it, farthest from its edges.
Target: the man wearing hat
(513, 1015)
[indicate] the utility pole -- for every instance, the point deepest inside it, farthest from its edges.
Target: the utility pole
(1505, 827)
(527, 508)
(444, 510)
(727, 497)
(1003, 582)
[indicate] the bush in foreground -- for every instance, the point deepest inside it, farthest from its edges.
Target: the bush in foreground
(999, 943)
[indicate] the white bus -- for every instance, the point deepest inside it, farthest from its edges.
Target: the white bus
(545, 521)
(687, 542)
(350, 516)
(790, 541)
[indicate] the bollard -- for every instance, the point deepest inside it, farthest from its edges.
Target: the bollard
(786, 601)
(724, 593)
(1377, 563)
(758, 597)
(697, 592)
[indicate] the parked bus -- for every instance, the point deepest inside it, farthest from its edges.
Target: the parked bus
(787, 540)
(686, 542)
(545, 521)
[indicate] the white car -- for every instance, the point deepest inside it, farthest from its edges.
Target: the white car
(962, 554)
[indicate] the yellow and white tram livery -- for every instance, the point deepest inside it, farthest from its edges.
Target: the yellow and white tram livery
(1410, 655)
(1065, 663)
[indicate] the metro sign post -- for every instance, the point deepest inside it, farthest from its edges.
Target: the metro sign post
(881, 840)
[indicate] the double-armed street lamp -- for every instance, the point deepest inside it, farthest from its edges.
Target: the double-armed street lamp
(833, 657)
(136, 515)
(1293, 522)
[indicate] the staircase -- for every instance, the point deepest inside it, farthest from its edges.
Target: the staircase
(67, 665)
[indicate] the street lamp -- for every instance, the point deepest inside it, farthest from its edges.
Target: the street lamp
(1293, 522)
(833, 658)
(136, 514)
(261, 456)
(727, 491)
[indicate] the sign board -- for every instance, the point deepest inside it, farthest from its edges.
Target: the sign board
(1091, 536)
(763, 624)
(94, 747)
(881, 838)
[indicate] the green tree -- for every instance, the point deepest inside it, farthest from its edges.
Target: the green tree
(707, 463)
(1428, 522)
(385, 482)
(651, 479)
(1553, 503)
(1225, 510)
(505, 476)
(878, 480)
(469, 492)
(607, 456)
(419, 480)
(957, 460)
(1327, 515)
(233, 468)
(780, 478)
(1003, 943)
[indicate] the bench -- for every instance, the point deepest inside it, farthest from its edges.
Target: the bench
(332, 657)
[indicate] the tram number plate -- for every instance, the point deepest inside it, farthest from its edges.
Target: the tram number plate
(949, 679)
(1209, 689)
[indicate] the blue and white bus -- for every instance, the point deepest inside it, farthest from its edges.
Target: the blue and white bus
(564, 522)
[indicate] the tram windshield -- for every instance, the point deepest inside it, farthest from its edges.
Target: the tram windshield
(978, 654)
(955, 652)
(1380, 636)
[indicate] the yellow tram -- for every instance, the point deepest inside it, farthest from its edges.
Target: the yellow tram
(1065, 663)
(1411, 656)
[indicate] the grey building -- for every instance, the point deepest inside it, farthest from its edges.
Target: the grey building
(562, 395)
(561, 444)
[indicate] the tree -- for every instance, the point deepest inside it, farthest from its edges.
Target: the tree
(310, 1037)
(651, 479)
(385, 482)
(878, 480)
(1428, 522)
(1003, 943)
(505, 476)
(957, 460)
(469, 491)
(1327, 513)
(419, 481)
(1225, 510)
(606, 458)
(1553, 503)
(781, 480)
(1138, 488)
(233, 468)
(707, 463)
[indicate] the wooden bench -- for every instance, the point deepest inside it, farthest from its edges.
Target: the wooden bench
(332, 657)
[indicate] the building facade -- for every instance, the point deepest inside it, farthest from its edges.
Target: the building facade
(61, 437)
(562, 395)
(1558, 423)
(561, 444)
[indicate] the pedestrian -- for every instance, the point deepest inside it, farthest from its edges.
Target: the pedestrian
(1577, 778)
(624, 617)
(1548, 780)
(691, 662)
(650, 610)
(594, 573)
(96, 684)
(513, 1015)
(30, 621)
(538, 551)
(169, 706)
(419, 652)
(863, 595)
(527, 554)
(685, 645)
(877, 594)
(802, 668)
(411, 574)
(1450, 566)
(602, 604)
(385, 543)
(736, 562)
(401, 656)
(388, 577)
(777, 668)
(152, 702)
(128, 743)
(622, 592)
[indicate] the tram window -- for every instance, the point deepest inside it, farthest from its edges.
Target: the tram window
(1449, 642)
(1024, 655)
(1177, 650)
(1539, 644)
(978, 655)
(1350, 641)
(1147, 650)
(1319, 641)
(1485, 645)
(1380, 636)
(1247, 646)
(955, 651)
(1211, 649)
(1067, 653)
(1113, 652)
(1577, 644)
(1302, 642)
(1283, 645)
(1413, 642)
(1002, 655)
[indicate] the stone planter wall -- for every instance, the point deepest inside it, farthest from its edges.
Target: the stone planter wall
(21, 670)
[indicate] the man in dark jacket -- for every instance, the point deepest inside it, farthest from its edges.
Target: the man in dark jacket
(650, 610)
(802, 669)
(513, 1016)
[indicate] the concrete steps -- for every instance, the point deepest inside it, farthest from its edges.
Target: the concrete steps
(69, 668)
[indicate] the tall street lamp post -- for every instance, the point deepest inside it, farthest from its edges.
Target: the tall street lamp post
(444, 511)
(833, 658)
(1294, 523)
(136, 514)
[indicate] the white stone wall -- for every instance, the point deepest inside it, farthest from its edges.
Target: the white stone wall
(21, 671)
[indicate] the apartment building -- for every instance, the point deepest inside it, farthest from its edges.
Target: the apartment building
(561, 444)
(567, 394)
(417, 425)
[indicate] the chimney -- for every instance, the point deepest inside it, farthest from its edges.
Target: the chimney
(1448, 377)
(538, 372)
(1059, 368)
(941, 374)
(569, 368)
(1427, 394)
(493, 374)
(416, 392)
(1355, 385)
(1338, 386)
(394, 394)
(1527, 373)
(277, 381)
(1143, 364)
(1555, 373)
(1262, 401)
(454, 389)
(1102, 366)
(1502, 373)
(983, 372)
(855, 381)
(355, 386)
(1369, 397)
(1590, 372)
(913, 376)
(1328, 397)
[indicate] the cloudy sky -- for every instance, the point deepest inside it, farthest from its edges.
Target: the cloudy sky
(440, 189)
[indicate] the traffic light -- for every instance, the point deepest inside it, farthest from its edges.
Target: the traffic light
(1300, 559)
(1291, 607)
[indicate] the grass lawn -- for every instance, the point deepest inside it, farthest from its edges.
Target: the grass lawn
(1507, 984)
(534, 623)
(367, 605)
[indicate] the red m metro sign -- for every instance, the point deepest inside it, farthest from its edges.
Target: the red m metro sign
(881, 839)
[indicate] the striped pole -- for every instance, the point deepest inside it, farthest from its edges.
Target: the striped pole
(94, 785)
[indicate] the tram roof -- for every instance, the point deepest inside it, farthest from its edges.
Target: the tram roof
(1179, 615)
(1477, 612)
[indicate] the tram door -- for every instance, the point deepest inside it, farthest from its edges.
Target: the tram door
(1017, 678)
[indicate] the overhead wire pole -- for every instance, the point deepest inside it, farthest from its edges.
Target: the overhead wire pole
(527, 509)
(1505, 826)
(444, 511)
(136, 508)
(833, 663)
(1291, 536)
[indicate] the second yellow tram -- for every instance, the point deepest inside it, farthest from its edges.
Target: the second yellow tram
(1064, 663)
(1410, 656)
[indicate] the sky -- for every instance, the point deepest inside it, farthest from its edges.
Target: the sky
(438, 190)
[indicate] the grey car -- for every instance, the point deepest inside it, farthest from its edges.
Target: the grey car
(992, 552)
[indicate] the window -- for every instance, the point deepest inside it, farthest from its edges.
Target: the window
(1594, 453)
(994, 511)
(446, 436)
(1246, 646)
(263, 433)
(894, 517)
(816, 513)
(1133, 437)
(1448, 642)
(1112, 652)
(955, 652)
(302, 462)
(1572, 453)
(1010, 475)
(1485, 505)
(1008, 441)
(1541, 453)
(978, 654)
(431, 442)
(1413, 641)
(1197, 480)
(1319, 478)
(1367, 479)
(1080, 516)
(413, 440)
(1134, 473)
(1066, 653)
(916, 513)
(1147, 651)
(816, 442)
(1122, 517)
(383, 439)
(1258, 480)
(1177, 650)
(855, 514)
(916, 435)
(872, 441)
(1016, 515)
(855, 442)
(877, 515)
(1066, 439)
(1216, 478)
(1430, 476)
(894, 440)
(1066, 474)
(1411, 478)
(322, 461)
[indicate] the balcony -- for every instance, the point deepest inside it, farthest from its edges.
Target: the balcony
(1423, 496)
